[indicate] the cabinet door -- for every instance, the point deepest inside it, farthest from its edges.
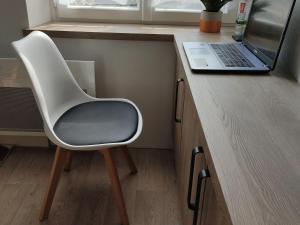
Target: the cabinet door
(204, 207)
(213, 211)
(178, 113)
(191, 138)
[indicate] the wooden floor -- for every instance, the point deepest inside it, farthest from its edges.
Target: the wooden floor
(83, 196)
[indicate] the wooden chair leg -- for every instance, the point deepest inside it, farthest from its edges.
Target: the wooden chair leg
(116, 186)
(68, 162)
(129, 160)
(57, 168)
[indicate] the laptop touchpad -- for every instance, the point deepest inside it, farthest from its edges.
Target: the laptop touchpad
(200, 62)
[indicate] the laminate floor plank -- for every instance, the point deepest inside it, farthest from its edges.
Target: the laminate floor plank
(95, 193)
(11, 198)
(30, 206)
(10, 165)
(154, 170)
(84, 196)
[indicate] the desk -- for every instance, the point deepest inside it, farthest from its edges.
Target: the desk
(251, 125)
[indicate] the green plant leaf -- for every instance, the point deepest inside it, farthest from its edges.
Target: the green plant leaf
(214, 5)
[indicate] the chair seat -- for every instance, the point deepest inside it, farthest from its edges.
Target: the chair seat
(98, 122)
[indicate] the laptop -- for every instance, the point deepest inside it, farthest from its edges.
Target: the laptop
(259, 49)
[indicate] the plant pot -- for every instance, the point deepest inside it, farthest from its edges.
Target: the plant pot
(210, 22)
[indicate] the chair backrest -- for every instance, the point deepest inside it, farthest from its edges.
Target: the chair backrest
(53, 84)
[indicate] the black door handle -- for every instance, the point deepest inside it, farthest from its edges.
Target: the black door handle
(176, 99)
(195, 152)
(202, 176)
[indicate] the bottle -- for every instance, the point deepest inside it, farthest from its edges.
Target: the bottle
(241, 20)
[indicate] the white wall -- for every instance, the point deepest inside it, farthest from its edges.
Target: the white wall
(39, 12)
(289, 60)
(13, 18)
(141, 71)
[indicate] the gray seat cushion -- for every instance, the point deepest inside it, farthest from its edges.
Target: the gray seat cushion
(97, 123)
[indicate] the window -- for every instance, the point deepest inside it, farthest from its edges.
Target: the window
(178, 5)
(104, 4)
(155, 11)
(99, 10)
(186, 11)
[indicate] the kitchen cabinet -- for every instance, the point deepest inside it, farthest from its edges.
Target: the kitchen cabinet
(198, 201)
(190, 141)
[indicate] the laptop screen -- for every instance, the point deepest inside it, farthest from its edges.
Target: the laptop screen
(266, 28)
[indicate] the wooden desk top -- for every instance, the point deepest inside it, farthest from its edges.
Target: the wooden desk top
(251, 125)
(252, 129)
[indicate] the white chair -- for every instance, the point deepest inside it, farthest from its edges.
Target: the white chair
(73, 120)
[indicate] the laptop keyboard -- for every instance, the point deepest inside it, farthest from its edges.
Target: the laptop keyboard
(231, 56)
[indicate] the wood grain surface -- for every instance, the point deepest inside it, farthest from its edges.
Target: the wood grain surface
(84, 195)
(251, 125)
(107, 31)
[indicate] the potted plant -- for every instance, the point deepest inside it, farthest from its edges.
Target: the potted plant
(211, 17)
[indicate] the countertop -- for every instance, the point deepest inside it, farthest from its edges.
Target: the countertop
(251, 124)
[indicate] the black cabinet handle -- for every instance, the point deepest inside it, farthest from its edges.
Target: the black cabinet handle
(202, 176)
(195, 152)
(176, 99)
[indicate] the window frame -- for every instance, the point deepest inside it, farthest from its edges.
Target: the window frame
(89, 13)
(175, 16)
(143, 13)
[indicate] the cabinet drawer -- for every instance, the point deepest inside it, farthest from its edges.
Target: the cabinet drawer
(198, 198)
